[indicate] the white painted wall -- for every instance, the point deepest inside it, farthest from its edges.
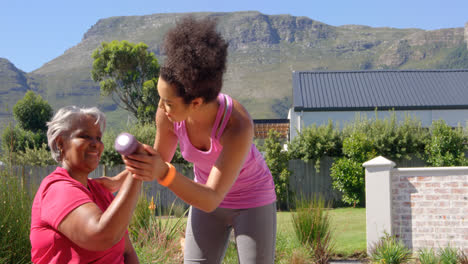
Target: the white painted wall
(451, 117)
(378, 199)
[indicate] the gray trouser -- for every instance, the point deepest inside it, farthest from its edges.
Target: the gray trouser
(207, 235)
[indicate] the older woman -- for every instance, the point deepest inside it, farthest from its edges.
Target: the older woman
(74, 219)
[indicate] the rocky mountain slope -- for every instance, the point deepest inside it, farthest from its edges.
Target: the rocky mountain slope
(263, 51)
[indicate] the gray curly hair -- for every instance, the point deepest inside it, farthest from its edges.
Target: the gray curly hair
(64, 120)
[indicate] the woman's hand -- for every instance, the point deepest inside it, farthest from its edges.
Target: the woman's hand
(147, 166)
(112, 184)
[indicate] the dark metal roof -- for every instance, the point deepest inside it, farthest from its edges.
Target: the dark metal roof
(382, 89)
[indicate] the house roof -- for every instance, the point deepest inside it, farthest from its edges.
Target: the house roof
(382, 89)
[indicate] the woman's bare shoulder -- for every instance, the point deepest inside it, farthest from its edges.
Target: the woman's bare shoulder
(240, 122)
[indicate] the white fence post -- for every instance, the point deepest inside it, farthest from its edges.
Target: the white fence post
(378, 199)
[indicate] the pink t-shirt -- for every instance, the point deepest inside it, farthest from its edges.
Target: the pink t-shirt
(253, 187)
(56, 197)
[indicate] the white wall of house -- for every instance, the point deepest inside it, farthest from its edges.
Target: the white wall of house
(299, 120)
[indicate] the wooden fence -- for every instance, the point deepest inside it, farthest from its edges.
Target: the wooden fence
(305, 180)
(32, 176)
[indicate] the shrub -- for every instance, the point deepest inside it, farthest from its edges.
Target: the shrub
(314, 142)
(385, 137)
(277, 161)
(390, 250)
(396, 140)
(312, 225)
(359, 147)
(448, 255)
(348, 178)
(15, 220)
(110, 157)
(364, 140)
(34, 157)
(446, 145)
(428, 256)
(16, 139)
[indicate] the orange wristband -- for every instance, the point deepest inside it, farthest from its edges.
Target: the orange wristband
(169, 178)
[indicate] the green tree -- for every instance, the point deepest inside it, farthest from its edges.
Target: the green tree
(32, 112)
(128, 72)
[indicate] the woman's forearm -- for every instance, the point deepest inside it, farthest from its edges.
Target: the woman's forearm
(115, 219)
(196, 194)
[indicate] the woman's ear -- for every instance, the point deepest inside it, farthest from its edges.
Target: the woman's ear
(59, 141)
(197, 102)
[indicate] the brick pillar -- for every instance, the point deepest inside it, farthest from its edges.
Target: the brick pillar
(378, 199)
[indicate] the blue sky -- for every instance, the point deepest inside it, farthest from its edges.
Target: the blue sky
(34, 32)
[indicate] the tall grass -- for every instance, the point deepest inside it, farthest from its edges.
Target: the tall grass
(15, 219)
(156, 240)
(312, 225)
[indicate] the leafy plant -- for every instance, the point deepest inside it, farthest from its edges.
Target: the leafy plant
(448, 255)
(428, 256)
(390, 250)
(386, 137)
(277, 161)
(34, 157)
(314, 142)
(367, 138)
(312, 225)
(348, 177)
(110, 157)
(446, 146)
(16, 139)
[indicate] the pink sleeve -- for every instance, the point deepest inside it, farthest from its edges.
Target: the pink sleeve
(60, 198)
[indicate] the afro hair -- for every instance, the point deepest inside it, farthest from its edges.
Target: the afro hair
(196, 59)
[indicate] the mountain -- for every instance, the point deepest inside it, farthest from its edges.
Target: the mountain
(263, 52)
(14, 83)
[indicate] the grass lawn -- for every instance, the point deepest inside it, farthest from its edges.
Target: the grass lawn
(349, 231)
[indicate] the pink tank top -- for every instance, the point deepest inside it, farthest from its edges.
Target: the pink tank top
(254, 186)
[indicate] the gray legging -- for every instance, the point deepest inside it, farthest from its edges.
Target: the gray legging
(207, 235)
